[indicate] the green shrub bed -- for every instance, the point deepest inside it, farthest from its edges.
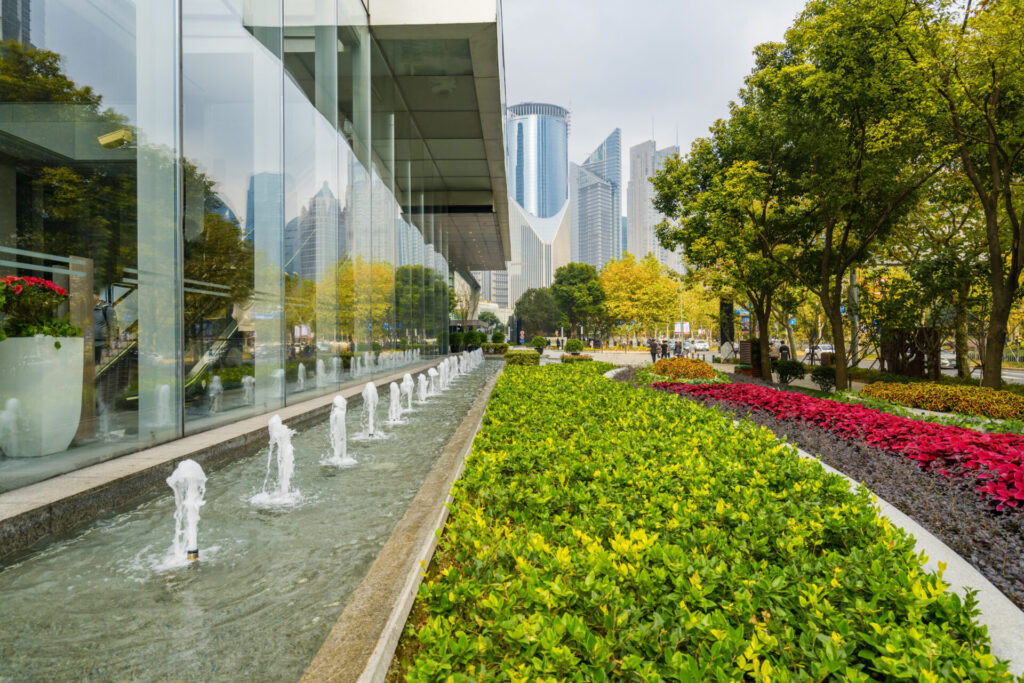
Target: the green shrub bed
(600, 531)
(522, 357)
(495, 348)
(978, 401)
(569, 358)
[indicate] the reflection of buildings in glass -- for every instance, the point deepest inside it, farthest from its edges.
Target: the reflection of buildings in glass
(16, 20)
(306, 236)
(644, 160)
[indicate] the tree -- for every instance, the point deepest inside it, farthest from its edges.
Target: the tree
(537, 311)
(492, 321)
(970, 61)
(941, 247)
(732, 189)
(858, 132)
(638, 296)
(578, 294)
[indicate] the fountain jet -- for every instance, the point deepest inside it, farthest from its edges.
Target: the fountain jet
(189, 485)
(339, 439)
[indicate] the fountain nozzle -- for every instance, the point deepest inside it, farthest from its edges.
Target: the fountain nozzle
(193, 555)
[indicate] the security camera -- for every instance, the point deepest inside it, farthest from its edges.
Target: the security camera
(119, 138)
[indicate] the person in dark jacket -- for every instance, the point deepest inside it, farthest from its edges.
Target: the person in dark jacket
(664, 348)
(653, 344)
(783, 351)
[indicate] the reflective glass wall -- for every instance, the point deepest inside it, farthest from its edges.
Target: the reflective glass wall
(208, 209)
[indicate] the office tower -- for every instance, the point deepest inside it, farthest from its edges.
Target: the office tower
(644, 160)
(537, 147)
(595, 199)
(540, 224)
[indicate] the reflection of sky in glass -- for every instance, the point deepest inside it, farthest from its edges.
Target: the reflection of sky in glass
(96, 39)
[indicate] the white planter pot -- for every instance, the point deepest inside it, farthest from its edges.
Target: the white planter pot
(40, 394)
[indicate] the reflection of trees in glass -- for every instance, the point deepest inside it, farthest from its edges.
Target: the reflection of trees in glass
(217, 255)
(64, 208)
(299, 302)
(28, 74)
(365, 295)
(416, 288)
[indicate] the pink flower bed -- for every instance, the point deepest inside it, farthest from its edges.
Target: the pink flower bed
(996, 460)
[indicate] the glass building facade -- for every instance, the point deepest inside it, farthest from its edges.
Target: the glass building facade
(236, 200)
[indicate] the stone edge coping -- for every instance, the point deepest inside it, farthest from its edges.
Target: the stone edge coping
(34, 513)
(361, 645)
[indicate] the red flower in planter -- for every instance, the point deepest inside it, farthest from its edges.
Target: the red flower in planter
(996, 461)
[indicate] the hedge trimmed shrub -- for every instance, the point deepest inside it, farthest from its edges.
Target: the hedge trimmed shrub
(979, 401)
(457, 339)
(522, 357)
(494, 349)
(539, 343)
(573, 346)
(497, 337)
(602, 532)
(683, 368)
(569, 358)
(790, 370)
(825, 377)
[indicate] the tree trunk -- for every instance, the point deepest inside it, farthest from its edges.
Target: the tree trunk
(963, 363)
(992, 362)
(763, 319)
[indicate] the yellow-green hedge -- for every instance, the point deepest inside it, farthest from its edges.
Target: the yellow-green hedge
(980, 401)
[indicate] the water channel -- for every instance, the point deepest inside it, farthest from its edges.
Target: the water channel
(270, 584)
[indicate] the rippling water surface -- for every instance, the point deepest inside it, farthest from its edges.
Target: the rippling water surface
(270, 584)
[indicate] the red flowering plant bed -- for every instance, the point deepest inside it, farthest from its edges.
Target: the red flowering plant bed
(28, 305)
(995, 461)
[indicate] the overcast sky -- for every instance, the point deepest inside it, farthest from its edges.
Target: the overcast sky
(628, 63)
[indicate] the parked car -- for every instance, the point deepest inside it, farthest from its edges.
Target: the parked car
(819, 349)
(947, 359)
(701, 345)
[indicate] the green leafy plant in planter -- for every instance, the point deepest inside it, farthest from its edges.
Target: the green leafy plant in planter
(497, 337)
(790, 370)
(573, 346)
(457, 339)
(539, 343)
(825, 377)
(522, 357)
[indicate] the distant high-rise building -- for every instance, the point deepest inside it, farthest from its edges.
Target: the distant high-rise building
(595, 198)
(537, 152)
(644, 160)
(537, 159)
(321, 223)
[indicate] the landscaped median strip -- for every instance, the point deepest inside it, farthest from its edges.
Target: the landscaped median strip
(602, 531)
(978, 401)
(994, 461)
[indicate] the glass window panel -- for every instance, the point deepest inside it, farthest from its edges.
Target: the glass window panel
(231, 131)
(89, 203)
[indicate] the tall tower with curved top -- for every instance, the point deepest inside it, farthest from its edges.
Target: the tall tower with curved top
(538, 157)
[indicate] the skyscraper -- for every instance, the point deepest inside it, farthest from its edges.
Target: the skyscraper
(540, 218)
(596, 202)
(537, 149)
(644, 160)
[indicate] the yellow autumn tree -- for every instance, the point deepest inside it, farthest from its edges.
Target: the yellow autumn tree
(640, 297)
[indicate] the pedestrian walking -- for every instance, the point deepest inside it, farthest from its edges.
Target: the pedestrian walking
(678, 349)
(664, 348)
(653, 344)
(783, 351)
